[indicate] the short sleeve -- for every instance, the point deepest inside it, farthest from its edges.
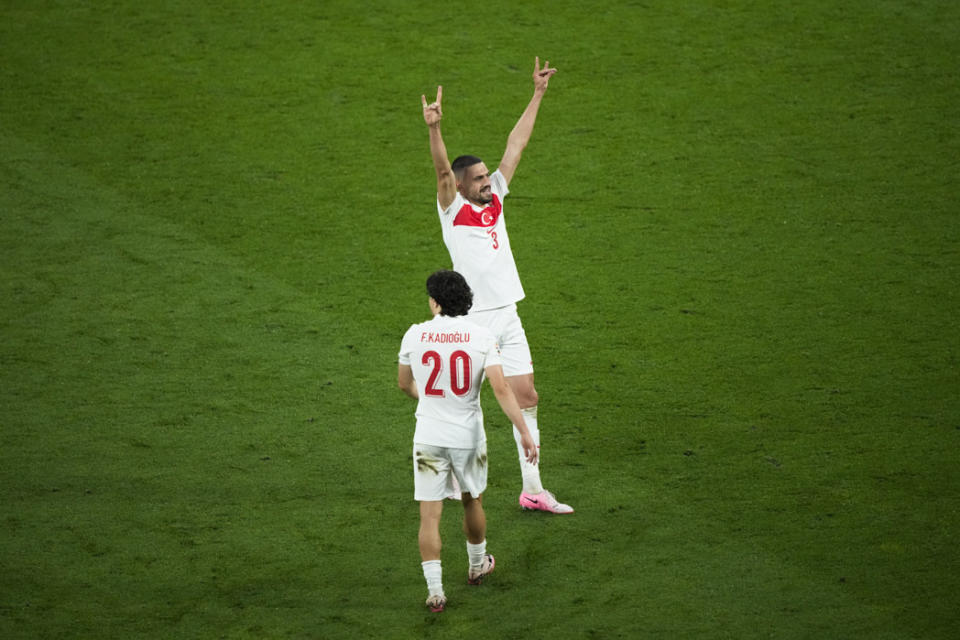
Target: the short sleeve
(455, 206)
(406, 347)
(491, 354)
(499, 184)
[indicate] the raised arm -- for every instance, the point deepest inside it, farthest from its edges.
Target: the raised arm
(446, 183)
(518, 138)
(508, 402)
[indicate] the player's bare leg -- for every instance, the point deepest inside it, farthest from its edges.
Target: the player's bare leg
(474, 519)
(429, 537)
(475, 526)
(524, 390)
(430, 545)
(534, 496)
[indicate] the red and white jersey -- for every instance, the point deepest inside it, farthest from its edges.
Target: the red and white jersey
(447, 357)
(480, 248)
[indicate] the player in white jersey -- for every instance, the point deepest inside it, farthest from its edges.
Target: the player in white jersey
(470, 204)
(442, 363)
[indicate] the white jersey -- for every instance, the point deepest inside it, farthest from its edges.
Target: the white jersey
(447, 356)
(480, 248)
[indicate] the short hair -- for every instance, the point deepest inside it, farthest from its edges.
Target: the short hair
(450, 290)
(460, 164)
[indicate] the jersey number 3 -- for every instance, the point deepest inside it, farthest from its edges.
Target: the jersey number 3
(459, 373)
(493, 236)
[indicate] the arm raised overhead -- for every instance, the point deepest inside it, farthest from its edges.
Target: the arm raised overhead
(446, 183)
(520, 135)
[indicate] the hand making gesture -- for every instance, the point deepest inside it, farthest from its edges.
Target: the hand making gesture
(541, 77)
(432, 112)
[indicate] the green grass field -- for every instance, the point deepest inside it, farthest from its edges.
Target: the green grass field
(737, 227)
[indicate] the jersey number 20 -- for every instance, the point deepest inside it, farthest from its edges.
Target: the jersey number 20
(459, 373)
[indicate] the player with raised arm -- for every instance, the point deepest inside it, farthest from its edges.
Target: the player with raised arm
(442, 363)
(470, 204)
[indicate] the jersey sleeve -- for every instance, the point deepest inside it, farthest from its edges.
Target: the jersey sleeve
(491, 352)
(406, 346)
(453, 208)
(499, 184)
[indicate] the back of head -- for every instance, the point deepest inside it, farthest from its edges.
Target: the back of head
(450, 290)
(460, 164)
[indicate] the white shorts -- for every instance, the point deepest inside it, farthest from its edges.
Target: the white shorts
(505, 324)
(435, 467)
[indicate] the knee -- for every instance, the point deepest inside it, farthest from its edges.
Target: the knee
(469, 502)
(527, 397)
(524, 391)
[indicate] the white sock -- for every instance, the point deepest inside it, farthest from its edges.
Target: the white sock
(530, 472)
(476, 553)
(433, 573)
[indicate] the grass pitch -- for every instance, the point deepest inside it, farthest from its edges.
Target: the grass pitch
(736, 226)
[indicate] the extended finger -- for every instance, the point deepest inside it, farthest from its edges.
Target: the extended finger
(423, 99)
(439, 93)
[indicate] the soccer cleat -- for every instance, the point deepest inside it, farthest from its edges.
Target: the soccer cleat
(437, 603)
(543, 501)
(476, 576)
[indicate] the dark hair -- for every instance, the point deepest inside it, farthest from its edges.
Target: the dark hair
(451, 292)
(460, 163)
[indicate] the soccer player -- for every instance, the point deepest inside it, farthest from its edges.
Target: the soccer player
(442, 363)
(470, 204)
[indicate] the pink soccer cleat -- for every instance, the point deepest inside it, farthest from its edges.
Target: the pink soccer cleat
(476, 576)
(543, 501)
